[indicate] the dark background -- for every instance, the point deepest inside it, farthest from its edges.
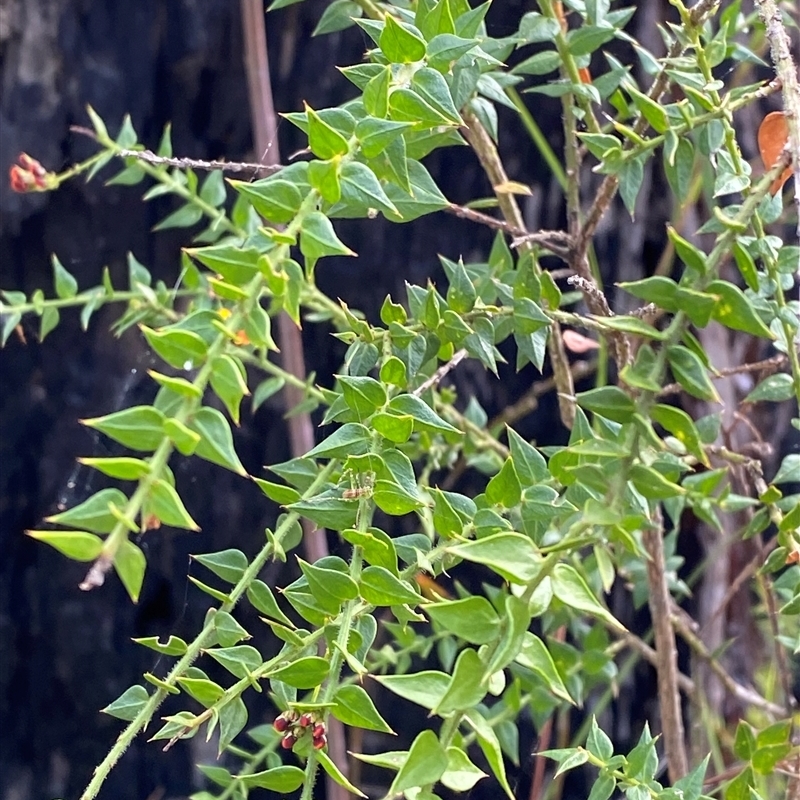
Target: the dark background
(63, 653)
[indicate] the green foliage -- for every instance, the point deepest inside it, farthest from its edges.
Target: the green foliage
(554, 527)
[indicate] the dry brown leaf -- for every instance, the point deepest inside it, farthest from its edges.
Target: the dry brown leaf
(773, 133)
(511, 187)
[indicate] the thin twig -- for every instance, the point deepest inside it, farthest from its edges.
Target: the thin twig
(463, 212)
(608, 189)
(784, 670)
(183, 163)
(685, 683)
(669, 700)
(529, 402)
(540, 761)
(744, 575)
(204, 166)
(557, 242)
(96, 576)
(771, 365)
(743, 693)
(545, 735)
(440, 373)
(487, 154)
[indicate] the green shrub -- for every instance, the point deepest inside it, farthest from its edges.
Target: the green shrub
(554, 527)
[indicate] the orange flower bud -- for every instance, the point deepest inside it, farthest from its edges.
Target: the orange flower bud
(28, 175)
(18, 178)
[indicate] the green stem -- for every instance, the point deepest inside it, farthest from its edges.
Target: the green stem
(363, 519)
(194, 649)
(84, 297)
(545, 570)
(780, 298)
(723, 112)
(263, 363)
(539, 139)
(158, 461)
(620, 776)
(252, 763)
(569, 66)
(506, 713)
(77, 169)
(311, 295)
(449, 730)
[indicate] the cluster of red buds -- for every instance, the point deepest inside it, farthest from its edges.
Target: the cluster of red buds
(293, 725)
(28, 175)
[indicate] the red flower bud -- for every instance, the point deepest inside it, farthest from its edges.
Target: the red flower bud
(319, 730)
(280, 724)
(288, 741)
(320, 742)
(306, 720)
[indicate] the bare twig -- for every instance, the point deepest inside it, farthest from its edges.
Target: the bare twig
(608, 189)
(545, 735)
(183, 163)
(769, 365)
(540, 761)
(742, 693)
(685, 683)
(595, 299)
(557, 242)
(529, 402)
(784, 670)
(487, 154)
(88, 132)
(744, 575)
(96, 576)
(597, 303)
(205, 166)
(669, 699)
(440, 373)
(463, 212)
